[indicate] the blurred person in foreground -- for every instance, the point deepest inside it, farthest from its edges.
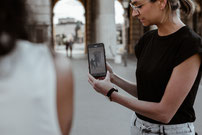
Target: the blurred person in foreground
(168, 71)
(36, 86)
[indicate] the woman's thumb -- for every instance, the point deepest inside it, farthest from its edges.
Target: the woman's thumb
(108, 75)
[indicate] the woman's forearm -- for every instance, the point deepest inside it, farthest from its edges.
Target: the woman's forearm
(152, 110)
(126, 85)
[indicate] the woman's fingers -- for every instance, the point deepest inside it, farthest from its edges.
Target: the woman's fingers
(92, 80)
(109, 68)
(90, 77)
(107, 76)
(91, 83)
(99, 85)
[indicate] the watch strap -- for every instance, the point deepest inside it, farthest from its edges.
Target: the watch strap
(109, 93)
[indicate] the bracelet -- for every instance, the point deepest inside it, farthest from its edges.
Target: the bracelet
(109, 93)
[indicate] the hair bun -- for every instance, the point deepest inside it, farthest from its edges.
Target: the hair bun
(187, 6)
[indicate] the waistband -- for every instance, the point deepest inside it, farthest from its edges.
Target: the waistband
(161, 128)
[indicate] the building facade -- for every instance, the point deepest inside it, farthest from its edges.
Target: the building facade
(100, 23)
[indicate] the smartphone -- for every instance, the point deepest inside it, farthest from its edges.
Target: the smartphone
(97, 60)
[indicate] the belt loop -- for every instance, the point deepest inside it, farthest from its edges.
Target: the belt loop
(135, 121)
(162, 129)
(189, 126)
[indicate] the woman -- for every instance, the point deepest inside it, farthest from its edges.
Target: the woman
(36, 87)
(168, 71)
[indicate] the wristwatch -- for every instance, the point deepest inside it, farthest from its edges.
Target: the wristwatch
(109, 93)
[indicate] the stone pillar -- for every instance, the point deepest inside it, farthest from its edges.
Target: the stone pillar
(105, 26)
(90, 22)
(40, 20)
(136, 31)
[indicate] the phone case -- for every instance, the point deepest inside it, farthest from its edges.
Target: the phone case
(97, 60)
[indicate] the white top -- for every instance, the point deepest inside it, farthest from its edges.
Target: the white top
(28, 91)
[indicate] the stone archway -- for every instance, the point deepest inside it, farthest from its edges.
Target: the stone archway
(55, 1)
(89, 7)
(68, 24)
(100, 25)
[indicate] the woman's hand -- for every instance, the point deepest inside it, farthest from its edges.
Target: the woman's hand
(109, 68)
(101, 86)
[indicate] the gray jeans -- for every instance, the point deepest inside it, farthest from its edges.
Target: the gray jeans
(141, 127)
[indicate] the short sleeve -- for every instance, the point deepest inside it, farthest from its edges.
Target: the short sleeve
(188, 48)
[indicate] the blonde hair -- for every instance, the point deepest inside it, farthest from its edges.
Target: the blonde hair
(187, 6)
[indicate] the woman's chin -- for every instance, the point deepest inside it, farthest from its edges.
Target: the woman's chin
(144, 23)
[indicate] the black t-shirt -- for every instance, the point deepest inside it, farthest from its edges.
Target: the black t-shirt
(157, 57)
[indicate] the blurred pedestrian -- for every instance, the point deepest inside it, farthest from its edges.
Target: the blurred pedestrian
(36, 86)
(69, 44)
(168, 71)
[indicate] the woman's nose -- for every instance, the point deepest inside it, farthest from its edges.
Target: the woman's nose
(135, 13)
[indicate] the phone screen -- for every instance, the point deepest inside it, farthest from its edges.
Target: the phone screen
(97, 60)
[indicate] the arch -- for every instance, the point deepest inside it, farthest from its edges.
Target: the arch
(119, 21)
(54, 3)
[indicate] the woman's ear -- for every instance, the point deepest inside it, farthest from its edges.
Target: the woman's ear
(162, 4)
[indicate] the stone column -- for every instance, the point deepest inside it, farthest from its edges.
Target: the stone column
(136, 31)
(105, 26)
(40, 20)
(90, 29)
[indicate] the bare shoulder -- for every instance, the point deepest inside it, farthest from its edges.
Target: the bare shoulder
(65, 88)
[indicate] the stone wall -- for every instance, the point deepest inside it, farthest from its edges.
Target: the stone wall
(39, 20)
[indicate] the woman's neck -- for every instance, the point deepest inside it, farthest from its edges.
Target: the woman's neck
(170, 26)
